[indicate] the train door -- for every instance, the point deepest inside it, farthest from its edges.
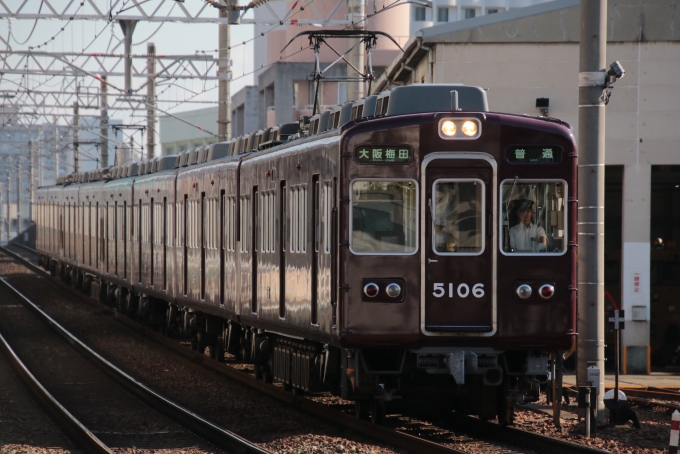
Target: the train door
(458, 248)
(316, 226)
(283, 231)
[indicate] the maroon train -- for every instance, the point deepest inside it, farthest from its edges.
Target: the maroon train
(410, 244)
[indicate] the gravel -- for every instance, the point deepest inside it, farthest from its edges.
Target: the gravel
(24, 428)
(651, 438)
(274, 425)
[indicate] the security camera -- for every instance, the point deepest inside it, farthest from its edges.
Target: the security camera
(616, 70)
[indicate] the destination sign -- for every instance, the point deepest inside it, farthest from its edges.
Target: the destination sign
(535, 155)
(383, 154)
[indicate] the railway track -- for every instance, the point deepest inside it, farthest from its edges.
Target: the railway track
(101, 407)
(651, 397)
(83, 436)
(422, 437)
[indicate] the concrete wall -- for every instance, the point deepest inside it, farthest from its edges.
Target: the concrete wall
(177, 136)
(244, 114)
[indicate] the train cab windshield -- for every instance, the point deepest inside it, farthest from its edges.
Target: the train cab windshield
(384, 217)
(533, 217)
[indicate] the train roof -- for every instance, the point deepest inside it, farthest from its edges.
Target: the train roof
(410, 99)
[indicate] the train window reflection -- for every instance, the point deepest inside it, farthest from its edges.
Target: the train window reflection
(384, 217)
(533, 217)
(458, 210)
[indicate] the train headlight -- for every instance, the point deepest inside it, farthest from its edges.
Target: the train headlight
(448, 128)
(546, 291)
(524, 291)
(371, 290)
(393, 290)
(469, 128)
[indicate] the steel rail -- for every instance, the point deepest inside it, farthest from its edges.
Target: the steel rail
(81, 434)
(215, 434)
(483, 430)
(644, 397)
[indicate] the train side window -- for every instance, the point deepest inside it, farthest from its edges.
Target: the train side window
(168, 223)
(298, 218)
(457, 217)
(384, 217)
(158, 224)
(245, 218)
(268, 221)
(229, 223)
(533, 217)
(180, 220)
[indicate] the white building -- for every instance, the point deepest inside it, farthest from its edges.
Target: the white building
(177, 136)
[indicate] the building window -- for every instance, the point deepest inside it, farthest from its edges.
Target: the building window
(492, 11)
(442, 14)
(419, 13)
(469, 13)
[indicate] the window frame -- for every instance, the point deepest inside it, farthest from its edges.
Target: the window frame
(416, 210)
(483, 217)
(566, 217)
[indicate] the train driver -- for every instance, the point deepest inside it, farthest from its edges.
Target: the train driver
(525, 236)
(444, 239)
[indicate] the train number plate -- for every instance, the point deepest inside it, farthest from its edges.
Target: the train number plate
(463, 290)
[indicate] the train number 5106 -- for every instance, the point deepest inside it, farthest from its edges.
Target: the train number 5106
(463, 290)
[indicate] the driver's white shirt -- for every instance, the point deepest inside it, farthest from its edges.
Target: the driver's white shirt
(526, 238)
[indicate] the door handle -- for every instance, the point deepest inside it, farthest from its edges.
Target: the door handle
(432, 261)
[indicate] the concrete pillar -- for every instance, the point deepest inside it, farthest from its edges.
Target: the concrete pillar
(104, 124)
(151, 100)
(224, 108)
(635, 267)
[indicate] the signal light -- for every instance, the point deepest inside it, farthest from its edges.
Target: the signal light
(371, 290)
(393, 290)
(524, 291)
(546, 291)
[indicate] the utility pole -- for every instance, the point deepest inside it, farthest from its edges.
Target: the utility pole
(104, 124)
(31, 178)
(128, 27)
(9, 204)
(224, 106)
(56, 150)
(2, 212)
(20, 224)
(591, 145)
(151, 100)
(356, 14)
(76, 136)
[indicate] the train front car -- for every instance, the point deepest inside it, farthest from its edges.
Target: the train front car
(457, 252)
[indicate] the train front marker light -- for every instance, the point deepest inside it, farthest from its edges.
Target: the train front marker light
(393, 290)
(524, 291)
(546, 291)
(371, 290)
(469, 128)
(448, 128)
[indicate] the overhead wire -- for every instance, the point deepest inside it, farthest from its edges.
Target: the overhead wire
(32, 29)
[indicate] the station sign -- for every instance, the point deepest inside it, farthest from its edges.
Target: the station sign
(534, 155)
(394, 154)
